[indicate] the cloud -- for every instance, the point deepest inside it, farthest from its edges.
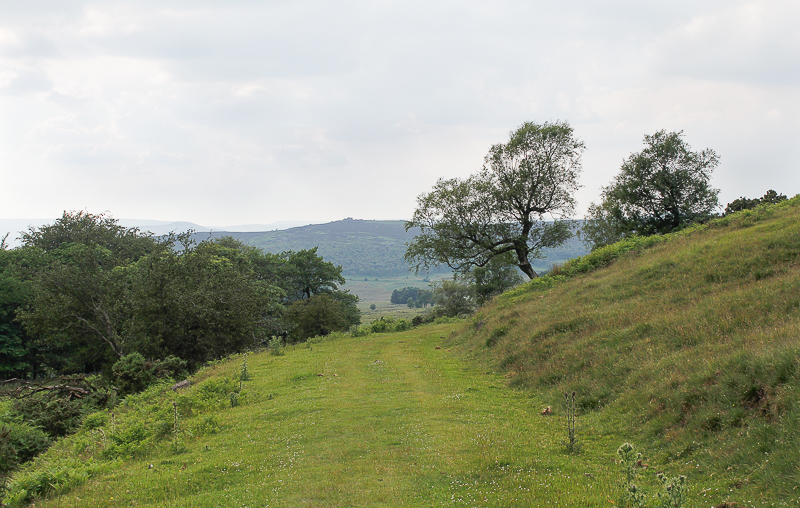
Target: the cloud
(28, 81)
(249, 107)
(752, 42)
(28, 46)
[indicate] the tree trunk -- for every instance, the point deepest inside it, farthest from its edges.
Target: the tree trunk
(521, 250)
(528, 270)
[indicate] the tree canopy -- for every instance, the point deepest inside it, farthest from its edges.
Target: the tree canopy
(84, 292)
(660, 189)
(516, 204)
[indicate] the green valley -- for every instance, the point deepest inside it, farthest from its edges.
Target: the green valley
(686, 345)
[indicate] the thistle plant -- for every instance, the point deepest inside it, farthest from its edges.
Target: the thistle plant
(275, 346)
(673, 490)
(630, 462)
(570, 419)
(245, 375)
(175, 426)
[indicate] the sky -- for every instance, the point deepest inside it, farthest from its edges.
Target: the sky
(254, 112)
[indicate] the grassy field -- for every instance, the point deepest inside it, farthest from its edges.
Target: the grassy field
(386, 420)
(379, 292)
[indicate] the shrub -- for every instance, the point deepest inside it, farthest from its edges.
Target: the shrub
(388, 324)
(95, 420)
(171, 367)
(380, 326)
(19, 443)
(129, 441)
(53, 478)
(360, 331)
(207, 426)
(133, 373)
(57, 417)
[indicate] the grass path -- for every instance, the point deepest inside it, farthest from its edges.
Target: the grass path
(386, 420)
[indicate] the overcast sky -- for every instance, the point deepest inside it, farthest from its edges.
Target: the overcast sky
(242, 112)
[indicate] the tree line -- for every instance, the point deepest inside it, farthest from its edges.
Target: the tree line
(83, 293)
(418, 297)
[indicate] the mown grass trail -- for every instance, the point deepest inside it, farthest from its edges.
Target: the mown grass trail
(385, 420)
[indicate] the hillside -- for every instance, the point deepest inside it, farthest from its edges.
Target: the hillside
(685, 345)
(365, 248)
(690, 347)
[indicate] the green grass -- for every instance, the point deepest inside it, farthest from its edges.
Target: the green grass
(387, 420)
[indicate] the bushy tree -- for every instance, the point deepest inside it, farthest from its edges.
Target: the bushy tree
(79, 301)
(658, 190)
(82, 228)
(498, 276)
(92, 293)
(16, 348)
(101, 292)
(319, 315)
(505, 208)
(306, 274)
(200, 303)
(79, 286)
(454, 297)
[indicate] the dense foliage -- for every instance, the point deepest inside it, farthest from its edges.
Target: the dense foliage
(83, 293)
(504, 208)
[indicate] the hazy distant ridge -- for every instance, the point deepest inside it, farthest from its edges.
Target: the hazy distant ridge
(157, 227)
(365, 248)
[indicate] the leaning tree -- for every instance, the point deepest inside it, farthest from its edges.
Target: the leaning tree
(517, 205)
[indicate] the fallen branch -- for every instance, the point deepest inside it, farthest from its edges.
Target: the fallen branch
(27, 389)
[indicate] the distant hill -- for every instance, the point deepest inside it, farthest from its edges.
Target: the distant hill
(158, 227)
(365, 248)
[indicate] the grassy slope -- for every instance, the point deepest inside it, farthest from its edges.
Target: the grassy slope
(688, 349)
